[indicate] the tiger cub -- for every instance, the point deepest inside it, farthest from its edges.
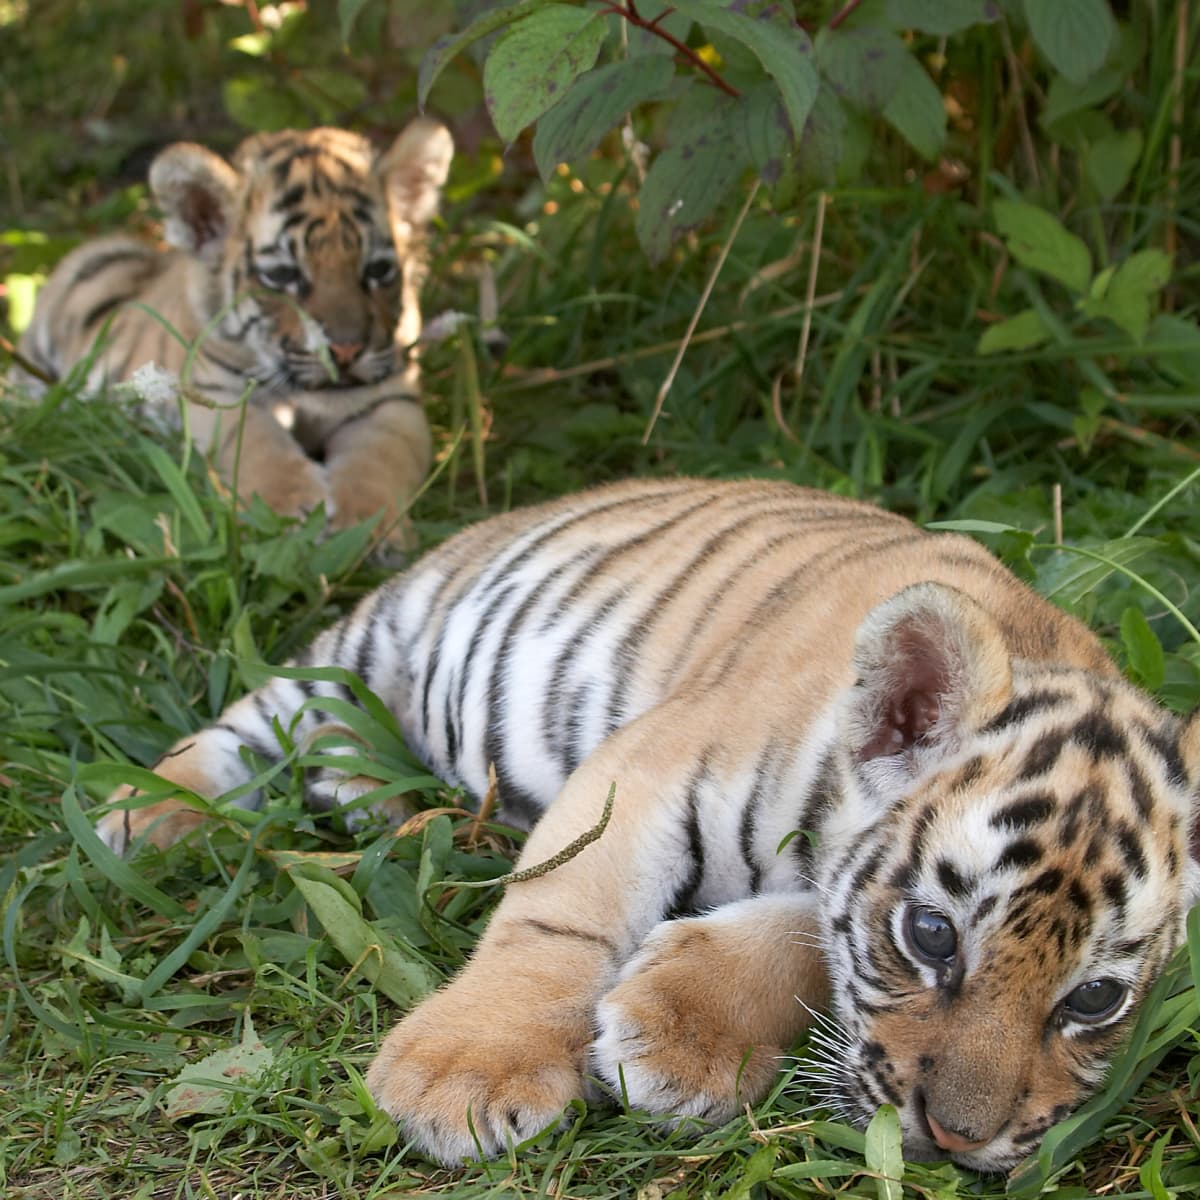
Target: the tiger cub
(294, 273)
(993, 864)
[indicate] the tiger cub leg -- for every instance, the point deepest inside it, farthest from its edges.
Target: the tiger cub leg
(708, 1005)
(263, 459)
(494, 1057)
(376, 464)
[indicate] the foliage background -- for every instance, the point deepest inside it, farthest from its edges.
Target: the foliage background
(883, 326)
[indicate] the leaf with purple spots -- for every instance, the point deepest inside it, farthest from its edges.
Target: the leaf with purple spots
(687, 182)
(863, 66)
(448, 47)
(941, 17)
(770, 33)
(595, 103)
(530, 68)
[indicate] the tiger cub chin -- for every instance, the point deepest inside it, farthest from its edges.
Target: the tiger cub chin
(293, 272)
(993, 864)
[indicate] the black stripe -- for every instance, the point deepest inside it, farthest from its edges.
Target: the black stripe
(821, 799)
(1043, 754)
(952, 880)
(270, 751)
(685, 895)
(1168, 747)
(92, 267)
(1024, 813)
(1020, 708)
(568, 931)
(746, 826)
(1131, 849)
(1024, 852)
(289, 198)
(1100, 736)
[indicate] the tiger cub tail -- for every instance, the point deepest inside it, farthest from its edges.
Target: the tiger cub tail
(254, 733)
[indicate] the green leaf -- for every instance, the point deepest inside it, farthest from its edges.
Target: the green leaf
(1129, 297)
(348, 11)
(1075, 572)
(572, 129)
(209, 1085)
(941, 17)
(261, 104)
(781, 46)
(756, 1169)
(884, 1154)
(1038, 240)
(531, 66)
(916, 110)
(367, 949)
(1022, 332)
(767, 132)
(864, 66)
(973, 525)
(687, 181)
(1142, 648)
(1109, 162)
(447, 47)
(1075, 35)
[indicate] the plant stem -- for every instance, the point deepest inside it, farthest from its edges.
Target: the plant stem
(630, 13)
(844, 13)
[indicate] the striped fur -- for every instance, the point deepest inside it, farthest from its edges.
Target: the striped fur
(295, 272)
(745, 660)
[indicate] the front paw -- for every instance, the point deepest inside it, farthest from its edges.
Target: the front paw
(672, 1036)
(293, 489)
(468, 1076)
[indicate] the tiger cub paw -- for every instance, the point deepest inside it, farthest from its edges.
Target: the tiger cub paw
(670, 1037)
(294, 489)
(354, 503)
(469, 1076)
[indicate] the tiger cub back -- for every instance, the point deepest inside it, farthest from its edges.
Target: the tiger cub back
(294, 270)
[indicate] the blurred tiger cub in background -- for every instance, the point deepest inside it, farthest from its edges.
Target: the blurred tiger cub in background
(295, 271)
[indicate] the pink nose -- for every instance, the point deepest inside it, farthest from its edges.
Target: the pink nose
(953, 1142)
(344, 353)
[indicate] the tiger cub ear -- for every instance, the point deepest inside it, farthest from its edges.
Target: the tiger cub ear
(412, 171)
(930, 662)
(197, 192)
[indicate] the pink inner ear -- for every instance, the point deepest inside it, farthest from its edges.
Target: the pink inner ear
(202, 213)
(918, 676)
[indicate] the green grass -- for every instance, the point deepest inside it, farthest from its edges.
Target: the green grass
(134, 606)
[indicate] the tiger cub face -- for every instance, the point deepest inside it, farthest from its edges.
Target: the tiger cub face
(304, 240)
(1005, 877)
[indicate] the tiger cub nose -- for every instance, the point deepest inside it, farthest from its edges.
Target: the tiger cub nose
(344, 353)
(948, 1139)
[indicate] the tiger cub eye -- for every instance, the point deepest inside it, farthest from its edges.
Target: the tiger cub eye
(931, 935)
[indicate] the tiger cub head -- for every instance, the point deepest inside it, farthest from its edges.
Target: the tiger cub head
(305, 241)
(1006, 873)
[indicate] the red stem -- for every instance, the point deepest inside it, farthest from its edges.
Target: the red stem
(630, 13)
(841, 16)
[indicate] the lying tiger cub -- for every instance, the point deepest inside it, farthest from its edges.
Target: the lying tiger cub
(295, 270)
(994, 861)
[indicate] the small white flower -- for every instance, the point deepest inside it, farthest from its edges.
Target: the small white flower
(155, 386)
(444, 325)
